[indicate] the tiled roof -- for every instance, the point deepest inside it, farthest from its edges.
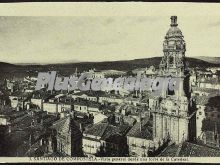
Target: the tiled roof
(97, 129)
(49, 119)
(130, 120)
(105, 130)
(170, 151)
(42, 95)
(144, 131)
(190, 150)
(88, 103)
(115, 130)
(195, 150)
(7, 111)
(65, 125)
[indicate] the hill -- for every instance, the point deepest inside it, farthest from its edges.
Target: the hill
(69, 68)
(214, 60)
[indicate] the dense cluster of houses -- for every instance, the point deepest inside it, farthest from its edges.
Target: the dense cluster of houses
(94, 123)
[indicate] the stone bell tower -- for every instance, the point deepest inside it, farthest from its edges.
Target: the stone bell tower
(172, 112)
(174, 47)
(173, 63)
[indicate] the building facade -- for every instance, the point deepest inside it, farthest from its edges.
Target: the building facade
(67, 137)
(173, 117)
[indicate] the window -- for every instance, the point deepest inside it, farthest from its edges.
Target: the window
(133, 145)
(133, 153)
(200, 113)
(171, 60)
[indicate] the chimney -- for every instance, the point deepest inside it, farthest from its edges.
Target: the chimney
(140, 120)
(173, 21)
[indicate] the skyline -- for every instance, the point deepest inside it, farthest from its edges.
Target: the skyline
(62, 39)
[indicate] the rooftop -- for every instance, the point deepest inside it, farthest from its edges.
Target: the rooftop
(65, 125)
(195, 150)
(88, 103)
(142, 130)
(42, 95)
(170, 151)
(105, 130)
(190, 150)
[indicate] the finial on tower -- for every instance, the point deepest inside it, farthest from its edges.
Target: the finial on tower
(173, 21)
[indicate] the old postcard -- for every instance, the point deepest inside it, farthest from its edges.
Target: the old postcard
(110, 82)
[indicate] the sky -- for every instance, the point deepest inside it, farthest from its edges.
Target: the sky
(111, 37)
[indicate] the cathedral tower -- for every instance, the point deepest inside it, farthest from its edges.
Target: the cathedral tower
(173, 116)
(173, 61)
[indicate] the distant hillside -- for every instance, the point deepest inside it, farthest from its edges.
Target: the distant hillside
(214, 60)
(69, 68)
(7, 68)
(129, 64)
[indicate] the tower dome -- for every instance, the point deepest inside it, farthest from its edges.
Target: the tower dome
(174, 31)
(174, 49)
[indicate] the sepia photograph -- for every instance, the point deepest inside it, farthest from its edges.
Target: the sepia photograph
(98, 82)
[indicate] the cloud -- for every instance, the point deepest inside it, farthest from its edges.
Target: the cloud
(214, 24)
(57, 39)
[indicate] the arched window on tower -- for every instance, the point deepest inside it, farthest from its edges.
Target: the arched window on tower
(171, 91)
(171, 60)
